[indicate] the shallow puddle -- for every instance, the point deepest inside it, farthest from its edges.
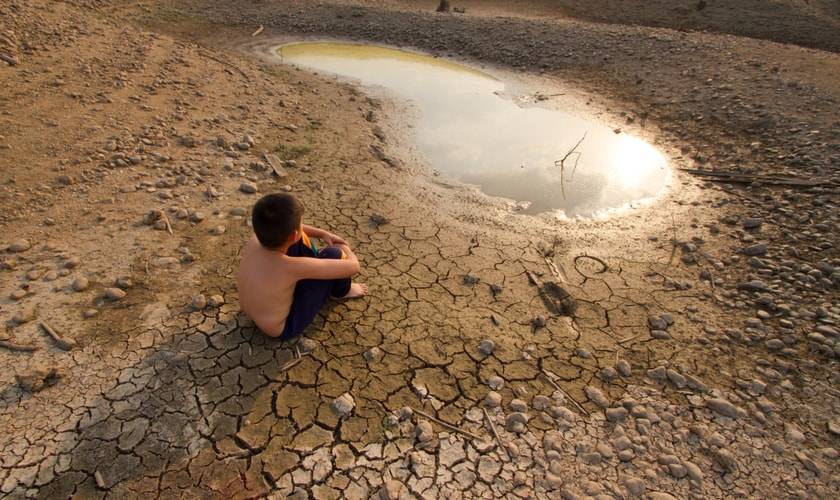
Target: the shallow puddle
(469, 132)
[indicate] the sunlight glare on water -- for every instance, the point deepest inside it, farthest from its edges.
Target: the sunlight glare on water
(468, 132)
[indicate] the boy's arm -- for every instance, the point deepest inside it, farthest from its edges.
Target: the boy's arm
(327, 269)
(325, 236)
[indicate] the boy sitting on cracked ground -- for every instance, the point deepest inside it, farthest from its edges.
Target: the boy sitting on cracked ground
(283, 279)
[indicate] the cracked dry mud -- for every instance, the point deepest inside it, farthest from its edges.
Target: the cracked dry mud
(701, 363)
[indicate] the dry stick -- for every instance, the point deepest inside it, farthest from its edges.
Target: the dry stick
(562, 164)
(496, 434)
(229, 65)
(446, 425)
(673, 240)
(62, 343)
(556, 386)
(622, 341)
(166, 221)
(5, 344)
(259, 30)
(290, 364)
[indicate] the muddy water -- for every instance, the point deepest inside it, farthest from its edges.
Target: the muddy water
(468, 131)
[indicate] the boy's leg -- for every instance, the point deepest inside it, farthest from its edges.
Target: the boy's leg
(310, 296)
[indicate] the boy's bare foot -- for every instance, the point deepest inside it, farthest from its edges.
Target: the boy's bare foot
(356, 290)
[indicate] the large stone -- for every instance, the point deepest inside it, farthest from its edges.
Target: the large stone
(343, 405)
(722, 407)
(37, 378)
(20, 245)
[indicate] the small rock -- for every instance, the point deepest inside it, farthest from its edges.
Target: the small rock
(623, 368)
(343, 405)
(538, 321)
(755, 250)
(72, 263)
(657, 323)
(378, 219)
(80, 284)
(24, 315)
(114, 294)
(20, 245)
(518, 405)
(37, 378)
(372, 354)
(596, 396)
(495, 382)
(516, 422)
(541, 402)
(89, 313)
(307, 345)
(723, 407)
(215, 301)
(248, 187)
(469, 279)
(218, 230)
(487, 347)
(199, 302)
(423, 431)
(616, 414)
(493, 399)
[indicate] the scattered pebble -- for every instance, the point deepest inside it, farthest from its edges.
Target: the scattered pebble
(114, 293)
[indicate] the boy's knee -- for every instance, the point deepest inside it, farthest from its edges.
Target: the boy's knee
(330, 253)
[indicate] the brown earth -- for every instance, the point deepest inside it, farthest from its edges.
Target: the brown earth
(112, 110)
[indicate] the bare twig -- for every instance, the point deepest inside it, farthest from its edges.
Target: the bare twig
(290, 364)
(562, 164)
(496, 434)
(557, 386)
(62, 343)
(166, 221)
(446, 425)
(673, 240)
(258, 31)
(622, 341)
(229, 65)
(5, 344)
(604, 265)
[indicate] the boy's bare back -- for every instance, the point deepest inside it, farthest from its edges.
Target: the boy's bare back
(266, 286)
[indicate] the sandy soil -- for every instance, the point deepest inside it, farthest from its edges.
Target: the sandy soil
(701, 363)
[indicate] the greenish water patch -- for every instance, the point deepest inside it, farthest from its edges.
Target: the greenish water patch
(469, 132)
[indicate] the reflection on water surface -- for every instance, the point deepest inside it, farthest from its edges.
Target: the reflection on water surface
(470, 133)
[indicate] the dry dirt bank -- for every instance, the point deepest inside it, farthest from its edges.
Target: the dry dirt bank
(810, 23)
(705, 367)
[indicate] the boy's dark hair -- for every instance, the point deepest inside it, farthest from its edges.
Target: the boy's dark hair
(275, 217)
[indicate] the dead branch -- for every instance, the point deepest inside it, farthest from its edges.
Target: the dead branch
(673, 240)
(5, 344)
(259, 30)
(562, 164)
(496, 434)
(557, 386)
(62, 343)
(447, 425)
(290, 364)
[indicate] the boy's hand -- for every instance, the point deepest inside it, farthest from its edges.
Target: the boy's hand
(332, 239)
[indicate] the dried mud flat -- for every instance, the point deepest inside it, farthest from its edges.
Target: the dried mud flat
(134, 138)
